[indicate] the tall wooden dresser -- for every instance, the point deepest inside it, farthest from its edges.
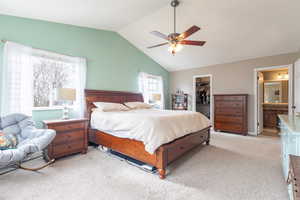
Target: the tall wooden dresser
(230, 113)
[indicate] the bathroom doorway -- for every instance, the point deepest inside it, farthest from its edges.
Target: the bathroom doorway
(272, 98)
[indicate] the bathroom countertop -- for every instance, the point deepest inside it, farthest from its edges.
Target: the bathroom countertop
(291, 122)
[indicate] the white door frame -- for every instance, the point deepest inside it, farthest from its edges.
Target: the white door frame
(211, 94)
(291, 92)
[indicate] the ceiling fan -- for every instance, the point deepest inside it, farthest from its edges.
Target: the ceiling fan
(176, 40)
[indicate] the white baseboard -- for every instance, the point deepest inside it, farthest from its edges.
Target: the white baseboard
(252, 133)
(219, 132)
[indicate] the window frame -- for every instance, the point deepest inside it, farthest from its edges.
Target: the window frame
(39, 55)
(160, 87)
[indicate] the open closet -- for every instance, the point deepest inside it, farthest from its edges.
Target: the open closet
(203, 95)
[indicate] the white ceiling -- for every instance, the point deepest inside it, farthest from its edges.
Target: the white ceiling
(100, 14)
(234, 29)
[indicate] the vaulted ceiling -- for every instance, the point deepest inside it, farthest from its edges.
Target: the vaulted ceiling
(234, 29)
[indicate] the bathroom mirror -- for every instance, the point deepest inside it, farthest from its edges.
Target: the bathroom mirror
(276, 91)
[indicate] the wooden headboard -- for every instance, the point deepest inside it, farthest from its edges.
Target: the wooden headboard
(108, 96)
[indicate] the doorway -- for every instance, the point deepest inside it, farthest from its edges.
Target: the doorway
(202, 96)
(273, 96)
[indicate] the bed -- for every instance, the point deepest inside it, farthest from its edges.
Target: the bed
(162, 156)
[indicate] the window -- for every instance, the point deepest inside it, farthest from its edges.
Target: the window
(31, 78)
(48, 76)
(152, 88)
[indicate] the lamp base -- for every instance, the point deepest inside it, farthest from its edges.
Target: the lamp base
(65, 113)
(65, 118)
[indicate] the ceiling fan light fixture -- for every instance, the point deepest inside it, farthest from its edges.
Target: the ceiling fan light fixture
(177, 40)
(174, 48)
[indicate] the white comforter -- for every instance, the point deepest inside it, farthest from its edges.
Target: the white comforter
(153, 127)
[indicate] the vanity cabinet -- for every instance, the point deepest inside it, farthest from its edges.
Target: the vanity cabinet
(270, 112)
(290, 144)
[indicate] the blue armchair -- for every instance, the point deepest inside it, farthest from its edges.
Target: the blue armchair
(30, 140)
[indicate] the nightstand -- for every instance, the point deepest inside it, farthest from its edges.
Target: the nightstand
(71, 137)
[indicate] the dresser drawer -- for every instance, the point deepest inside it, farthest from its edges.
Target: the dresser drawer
(229, 127)
(183, 145)
(229, 104)
(69, 148)
(229, 98)
(231, 119)
(62, 138)
(68, 127)
(228, 111)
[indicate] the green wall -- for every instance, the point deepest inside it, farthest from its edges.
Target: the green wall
(113, 62)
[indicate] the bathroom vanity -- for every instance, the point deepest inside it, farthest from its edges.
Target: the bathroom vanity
(270, 112)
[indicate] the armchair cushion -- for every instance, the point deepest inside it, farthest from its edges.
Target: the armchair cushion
(7, 141)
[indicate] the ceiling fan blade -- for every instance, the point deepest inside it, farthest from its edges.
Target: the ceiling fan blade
(158, 45)
(189, 32)
(191, 42)
(159, 34)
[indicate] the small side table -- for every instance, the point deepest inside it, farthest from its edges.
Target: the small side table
(71, 137)
(294, 177)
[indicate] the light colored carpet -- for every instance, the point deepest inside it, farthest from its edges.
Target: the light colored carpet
(232, 168)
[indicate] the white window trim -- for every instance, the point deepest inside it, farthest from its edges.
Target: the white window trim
(47, 108)
(160, 78)
(51, 108)
(19, 99)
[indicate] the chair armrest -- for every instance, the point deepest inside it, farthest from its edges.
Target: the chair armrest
(40, 138)
(10, 156)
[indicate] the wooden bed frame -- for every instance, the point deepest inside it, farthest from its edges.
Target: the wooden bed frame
(164, 155)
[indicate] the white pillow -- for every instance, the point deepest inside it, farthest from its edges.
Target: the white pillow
(138, 105)
(107, 107)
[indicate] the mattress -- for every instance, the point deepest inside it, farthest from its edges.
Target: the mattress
(153, 127)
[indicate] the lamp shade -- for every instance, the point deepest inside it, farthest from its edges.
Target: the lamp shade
(156, 97)
(66, 94)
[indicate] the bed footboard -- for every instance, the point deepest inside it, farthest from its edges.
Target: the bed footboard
(170, 152)
(166, 154)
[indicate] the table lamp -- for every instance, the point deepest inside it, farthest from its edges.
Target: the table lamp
(66, 95)
(156, 98)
